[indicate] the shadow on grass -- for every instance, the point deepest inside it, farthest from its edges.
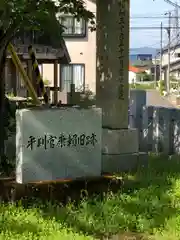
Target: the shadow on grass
(142, 205)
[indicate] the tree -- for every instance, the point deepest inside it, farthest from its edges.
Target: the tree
(21, 15)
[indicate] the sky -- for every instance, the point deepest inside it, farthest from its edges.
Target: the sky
(149, 8)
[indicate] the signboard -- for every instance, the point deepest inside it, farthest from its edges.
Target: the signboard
(58, 144)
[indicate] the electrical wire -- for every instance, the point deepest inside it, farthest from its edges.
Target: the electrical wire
(151, 27)
(151, 17)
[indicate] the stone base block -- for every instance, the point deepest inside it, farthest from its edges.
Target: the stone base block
(58, 143)
(119, 141)
(123, 162)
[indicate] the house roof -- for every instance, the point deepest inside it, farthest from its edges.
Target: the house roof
(135, 69)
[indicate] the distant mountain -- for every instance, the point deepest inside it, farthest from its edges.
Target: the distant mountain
(144, 50)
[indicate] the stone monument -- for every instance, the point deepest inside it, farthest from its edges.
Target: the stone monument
(62, 143)
(119, 144)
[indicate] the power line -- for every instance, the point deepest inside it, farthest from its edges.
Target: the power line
(151, 17)
(149, 28)
(172, 3)
(150, 14)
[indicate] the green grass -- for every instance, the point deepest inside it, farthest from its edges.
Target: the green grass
(143, 86)
(148, 203)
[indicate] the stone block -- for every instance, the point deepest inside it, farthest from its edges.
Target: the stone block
(119, 141)
(147, 129)
(175, 119)
(136, 104)
(58, 143)
(162, 130)
(123, 162)
(157, 129)
(114, 113)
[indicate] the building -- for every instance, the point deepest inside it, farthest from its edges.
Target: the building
(140, 59)
(174, 62)
(81, 45)
(133, 71)
(77, 67)
(46, 54)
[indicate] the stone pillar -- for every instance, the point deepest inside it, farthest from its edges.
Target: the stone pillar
(112, 62)
(119, 144)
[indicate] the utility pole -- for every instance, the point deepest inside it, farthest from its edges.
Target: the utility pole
(177, 21)
(155, 69)
(161, 51)
(169, 55)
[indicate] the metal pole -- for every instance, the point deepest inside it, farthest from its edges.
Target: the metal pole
(169, 55)
(155, 75)
(161, 49)
(177, 21)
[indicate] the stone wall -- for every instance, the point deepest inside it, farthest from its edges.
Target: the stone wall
(158, 127)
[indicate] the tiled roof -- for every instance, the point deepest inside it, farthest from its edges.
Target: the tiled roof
(135, 69)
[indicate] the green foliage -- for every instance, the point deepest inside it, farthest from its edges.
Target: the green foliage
(10, 94)
(46, 82)
(43, 15)
(147, 203)
(144, 76)
(161, 86)
(9, 133)
(142, 86)
(175, 85)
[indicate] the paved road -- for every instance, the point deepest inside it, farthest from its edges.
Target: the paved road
(155, 99)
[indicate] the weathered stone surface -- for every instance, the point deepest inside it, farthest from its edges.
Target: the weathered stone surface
(123, 162)
(112, 87)
(55, 152)
(136, 104)
(158, 129)
(175, 114)
(147, 128)
(119, 141)
(162, 130)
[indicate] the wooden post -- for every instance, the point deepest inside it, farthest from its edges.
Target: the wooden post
(72, 94)
(29, 69)
(13, 77)
(55, 82)
(29, 72)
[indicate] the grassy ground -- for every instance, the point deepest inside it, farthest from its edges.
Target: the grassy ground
(148, 204)
(142, 86)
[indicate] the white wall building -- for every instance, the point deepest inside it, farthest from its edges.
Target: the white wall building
(81, 45)
(174, 62)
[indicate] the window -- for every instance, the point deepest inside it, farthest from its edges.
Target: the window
(73, 27)
(72, 74)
